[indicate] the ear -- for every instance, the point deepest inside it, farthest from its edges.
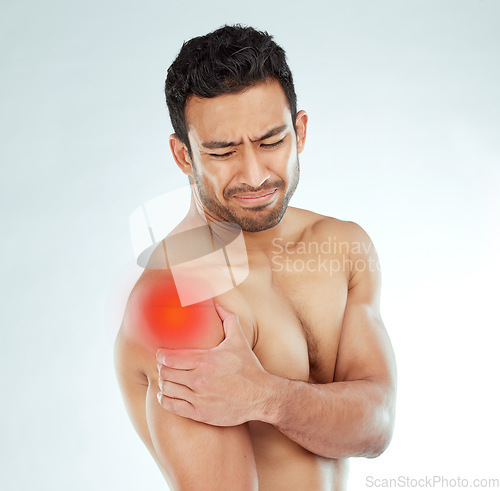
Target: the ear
(181, 155)
(301, 125)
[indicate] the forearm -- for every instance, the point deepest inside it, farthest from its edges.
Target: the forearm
(334, 420)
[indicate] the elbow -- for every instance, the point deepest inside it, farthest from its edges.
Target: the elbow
(378, 445)
(381, 436)
(371, 444)
(382, 426)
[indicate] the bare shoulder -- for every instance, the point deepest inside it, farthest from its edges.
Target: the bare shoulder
(315, 226)
(134, 350)
(154, 317)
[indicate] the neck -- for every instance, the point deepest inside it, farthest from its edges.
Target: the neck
(262, 242)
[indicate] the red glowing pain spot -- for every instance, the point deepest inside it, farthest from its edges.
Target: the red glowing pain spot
(165, 323)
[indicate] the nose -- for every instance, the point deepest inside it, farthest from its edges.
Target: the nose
(253, 170)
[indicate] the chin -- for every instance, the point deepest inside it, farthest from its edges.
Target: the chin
(258, 222)
(253, 219)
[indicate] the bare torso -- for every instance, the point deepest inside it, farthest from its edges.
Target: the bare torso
(291, 309)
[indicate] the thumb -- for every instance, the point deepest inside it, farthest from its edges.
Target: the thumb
(230, 322)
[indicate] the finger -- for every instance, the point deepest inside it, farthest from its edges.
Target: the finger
(180, 359)
(176, 406)
(175, 375)
(175, 391)
(230, 322)
(222, 312)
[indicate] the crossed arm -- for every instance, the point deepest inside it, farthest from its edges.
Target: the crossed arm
(353, 416)
(211, 392)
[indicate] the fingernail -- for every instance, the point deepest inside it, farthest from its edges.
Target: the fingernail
(158, 396)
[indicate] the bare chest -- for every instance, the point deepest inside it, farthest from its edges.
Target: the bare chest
(298, 317)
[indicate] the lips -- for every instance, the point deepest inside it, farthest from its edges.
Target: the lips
(255, 198)
(260, 194)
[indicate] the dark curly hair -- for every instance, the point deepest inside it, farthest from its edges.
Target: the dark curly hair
(224, 61)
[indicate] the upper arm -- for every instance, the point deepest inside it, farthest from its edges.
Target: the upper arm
(199, 456)
(365, 351)
(191, 455)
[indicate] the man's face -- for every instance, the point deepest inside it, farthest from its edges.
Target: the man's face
(245, 164)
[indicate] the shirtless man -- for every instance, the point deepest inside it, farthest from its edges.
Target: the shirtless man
(275, 382)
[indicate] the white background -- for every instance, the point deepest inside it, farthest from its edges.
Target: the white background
(403, 103)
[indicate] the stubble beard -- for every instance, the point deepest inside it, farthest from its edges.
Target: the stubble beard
(257, 219)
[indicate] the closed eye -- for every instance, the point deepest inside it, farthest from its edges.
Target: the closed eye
(220, 155)
(273, 145)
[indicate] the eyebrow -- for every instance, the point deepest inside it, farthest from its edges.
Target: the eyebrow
(214, 144)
